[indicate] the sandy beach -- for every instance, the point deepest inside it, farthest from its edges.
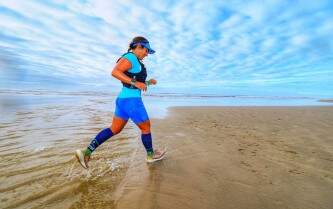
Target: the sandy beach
(237, 157)
(218, 157)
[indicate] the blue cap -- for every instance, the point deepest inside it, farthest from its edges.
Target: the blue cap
(146, 45)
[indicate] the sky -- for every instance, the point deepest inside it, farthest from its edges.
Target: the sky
(206, 47)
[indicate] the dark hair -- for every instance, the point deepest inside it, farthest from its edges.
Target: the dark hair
(136, 40)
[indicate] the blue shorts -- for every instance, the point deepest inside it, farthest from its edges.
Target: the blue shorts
(131, 108)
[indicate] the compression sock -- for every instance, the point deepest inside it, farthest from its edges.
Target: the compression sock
(147, 143)
(101, 137)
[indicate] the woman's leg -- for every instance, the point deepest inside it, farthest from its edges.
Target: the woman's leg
(116, 126)
(140, 117)
(146, 136)
(144, 127)
(152, 155)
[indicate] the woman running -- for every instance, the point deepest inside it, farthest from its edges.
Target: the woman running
(132, 73)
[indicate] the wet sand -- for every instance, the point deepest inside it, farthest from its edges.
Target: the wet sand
(218, 157)
(236, 157)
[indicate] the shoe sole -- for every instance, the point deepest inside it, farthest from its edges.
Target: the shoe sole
(157, 159)
(79, 156)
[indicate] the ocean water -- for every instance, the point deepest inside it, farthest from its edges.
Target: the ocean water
(157, 104)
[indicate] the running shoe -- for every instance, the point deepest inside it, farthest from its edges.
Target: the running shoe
(156, 156)
(82, 157)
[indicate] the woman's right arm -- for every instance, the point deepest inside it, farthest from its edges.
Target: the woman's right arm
(122, 66)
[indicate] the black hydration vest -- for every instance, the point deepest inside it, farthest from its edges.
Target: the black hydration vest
(140, 76)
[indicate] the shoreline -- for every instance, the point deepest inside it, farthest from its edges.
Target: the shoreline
(326, 100)
(171, 108)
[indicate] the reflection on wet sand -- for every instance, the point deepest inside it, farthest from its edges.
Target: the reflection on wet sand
(38, 168)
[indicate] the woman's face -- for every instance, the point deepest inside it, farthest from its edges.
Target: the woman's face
(141, 52)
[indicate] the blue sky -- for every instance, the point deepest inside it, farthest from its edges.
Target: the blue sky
(215, 47)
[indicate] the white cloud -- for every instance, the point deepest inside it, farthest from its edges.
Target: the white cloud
(299, 40)
(196, 41)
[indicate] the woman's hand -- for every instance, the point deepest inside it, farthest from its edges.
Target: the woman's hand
(141, 86)
(152, 82)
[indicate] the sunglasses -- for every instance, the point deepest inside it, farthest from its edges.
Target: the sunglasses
(147, 50)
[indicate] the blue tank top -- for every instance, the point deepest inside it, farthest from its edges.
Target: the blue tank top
(136, 67)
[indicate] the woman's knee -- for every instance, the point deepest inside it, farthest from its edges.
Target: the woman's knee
(117, 125)
(145, 127)
(115, 130)
(145, 130)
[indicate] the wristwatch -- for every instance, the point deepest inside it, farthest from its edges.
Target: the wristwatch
(133, 81)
